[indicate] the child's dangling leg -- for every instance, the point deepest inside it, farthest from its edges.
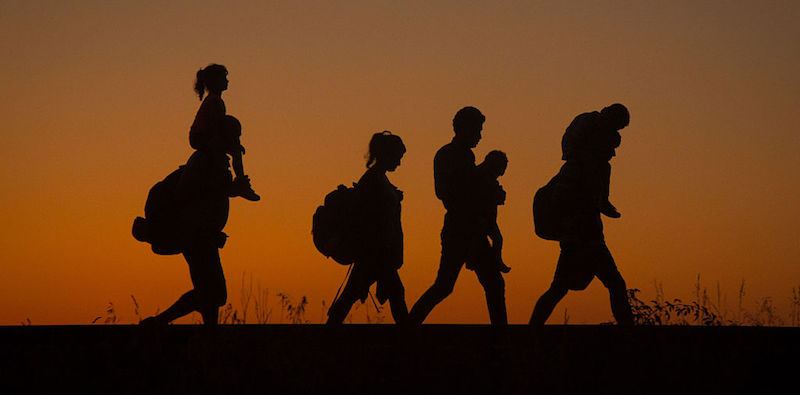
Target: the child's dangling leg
(498, 258)
(606, 208)
(242, 181)
(230, 139)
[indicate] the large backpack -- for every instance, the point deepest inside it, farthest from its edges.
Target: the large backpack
(333, 225)
(546, 212)
(555, 204)
(161, 223)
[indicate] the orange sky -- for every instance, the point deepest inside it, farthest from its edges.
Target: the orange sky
(98, 101)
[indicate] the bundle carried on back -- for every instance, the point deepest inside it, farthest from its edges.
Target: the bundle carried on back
(333, 225)
(161, 223)
(554, 205)
(546, 221)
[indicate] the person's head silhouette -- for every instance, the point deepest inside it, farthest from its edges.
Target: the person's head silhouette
(467, 124)
(495, 163)
(385, 151)
(616, 116)
(213, 78)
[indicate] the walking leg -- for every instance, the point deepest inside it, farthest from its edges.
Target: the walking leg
(545, 305)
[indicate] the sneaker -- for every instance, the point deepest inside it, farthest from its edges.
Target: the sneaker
(241, 187)
(504, 268)
(609, 210)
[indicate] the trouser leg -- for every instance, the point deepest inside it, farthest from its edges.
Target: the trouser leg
(617, 289)
(186, 304)
(494, 287)
(620, 306)
(210, 315)
(545, 305)
(208, 279)
(342, 305)
(209, 290)
(397, 297)
(449, 267)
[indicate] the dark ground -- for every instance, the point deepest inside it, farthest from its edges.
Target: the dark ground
(382, 359)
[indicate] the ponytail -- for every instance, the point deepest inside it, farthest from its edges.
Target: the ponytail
(206, 74)
(382, 144)
(200, 84)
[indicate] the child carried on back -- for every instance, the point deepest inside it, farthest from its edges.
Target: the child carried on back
(490, 194)
(589, 143)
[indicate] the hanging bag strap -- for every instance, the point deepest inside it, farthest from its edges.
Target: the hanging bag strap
(344, 280)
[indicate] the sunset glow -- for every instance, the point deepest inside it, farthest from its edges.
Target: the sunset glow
(98, 102)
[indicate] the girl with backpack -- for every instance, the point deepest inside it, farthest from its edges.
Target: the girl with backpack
(380, 234)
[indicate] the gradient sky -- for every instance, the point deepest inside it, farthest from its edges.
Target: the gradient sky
(98, 101)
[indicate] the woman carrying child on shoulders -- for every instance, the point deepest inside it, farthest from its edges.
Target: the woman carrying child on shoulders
(203, 191)
(381, 233)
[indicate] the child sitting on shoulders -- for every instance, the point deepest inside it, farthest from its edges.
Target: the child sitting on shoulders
(209, 131)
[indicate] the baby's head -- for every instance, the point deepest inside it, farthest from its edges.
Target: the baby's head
(495, 163)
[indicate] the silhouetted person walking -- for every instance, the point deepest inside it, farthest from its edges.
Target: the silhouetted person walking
(378, 228)
(588, 145)
(463, 237)
(203, 191)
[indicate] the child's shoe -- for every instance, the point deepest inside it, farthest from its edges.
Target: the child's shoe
(241, 187)
(609, 210)
(502, 266)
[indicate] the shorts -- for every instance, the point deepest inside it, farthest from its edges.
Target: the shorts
(579, 263)
(462, 244)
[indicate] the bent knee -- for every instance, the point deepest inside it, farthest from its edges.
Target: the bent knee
(217, 298)
(442, 288)
(616, 284)
(221, 298)
(557, 290)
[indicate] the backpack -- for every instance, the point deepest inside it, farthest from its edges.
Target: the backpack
(546, 218)
(161, 223)
(554, 206)
(332, 225)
